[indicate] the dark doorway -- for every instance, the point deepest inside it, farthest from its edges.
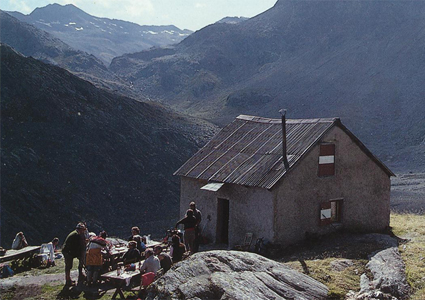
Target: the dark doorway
(222, 221)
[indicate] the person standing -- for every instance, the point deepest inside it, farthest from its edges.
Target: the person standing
(189, 223)
(74, 247)
(198, 216)
(94, 258)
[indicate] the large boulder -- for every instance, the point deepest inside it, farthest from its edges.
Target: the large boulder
(234, 275)
(388, 277)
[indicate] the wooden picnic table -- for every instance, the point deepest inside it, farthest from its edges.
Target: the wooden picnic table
(120, 281)
(152, 244)
(118, 251)
(25, 252)
(110, 260)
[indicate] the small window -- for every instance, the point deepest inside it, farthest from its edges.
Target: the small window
(327, 160)
(330, 212)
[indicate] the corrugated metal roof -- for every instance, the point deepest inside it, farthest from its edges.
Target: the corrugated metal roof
(248, 151)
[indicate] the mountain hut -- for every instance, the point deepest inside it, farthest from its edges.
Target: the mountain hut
(285, 179)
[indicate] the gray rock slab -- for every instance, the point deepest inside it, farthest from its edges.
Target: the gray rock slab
(388, 280)
(234, 275)
(389, 274)
(341, 264)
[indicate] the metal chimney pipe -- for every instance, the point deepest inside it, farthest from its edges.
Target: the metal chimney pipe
(284, 151)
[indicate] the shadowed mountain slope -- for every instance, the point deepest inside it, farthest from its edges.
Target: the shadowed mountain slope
(102, 37)
(359, 60)
(71, 152)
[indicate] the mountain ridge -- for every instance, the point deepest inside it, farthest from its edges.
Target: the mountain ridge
(103, 37)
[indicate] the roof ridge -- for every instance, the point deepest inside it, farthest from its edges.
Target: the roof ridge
(292, 121)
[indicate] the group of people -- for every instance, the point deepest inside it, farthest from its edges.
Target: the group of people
(192, 230)
(48, 251)
(91, 249)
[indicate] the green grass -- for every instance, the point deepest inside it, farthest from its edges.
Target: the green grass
(57, 269)
(412, 228)
(338, 282)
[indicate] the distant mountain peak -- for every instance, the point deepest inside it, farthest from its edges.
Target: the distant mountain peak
(58, 12)
(232, 20)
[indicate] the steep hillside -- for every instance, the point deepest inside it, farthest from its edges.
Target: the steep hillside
(358, 60)
(102, 37)
(71, 152)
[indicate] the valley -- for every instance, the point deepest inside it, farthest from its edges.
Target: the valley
(94, 132)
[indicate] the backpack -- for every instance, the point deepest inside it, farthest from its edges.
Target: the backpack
(6, 271)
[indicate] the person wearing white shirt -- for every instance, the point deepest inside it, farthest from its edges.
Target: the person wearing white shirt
(151, 263)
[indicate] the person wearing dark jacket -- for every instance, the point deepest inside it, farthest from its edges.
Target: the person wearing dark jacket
(177, 249)
(189, 223)
(132, 255)
(135, 236)
(164, 259)
(74, 247)
(198, 216)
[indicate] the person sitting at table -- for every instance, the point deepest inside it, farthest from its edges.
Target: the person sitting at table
(148, 270)
(55, 243)
(140, 244)
(94, 258)
(135, 236)
(134, 231)
(189, 223)
(132, 255)
(19, 242)
(151, 263)
(177, 249)
(164, 259)
(47, 252)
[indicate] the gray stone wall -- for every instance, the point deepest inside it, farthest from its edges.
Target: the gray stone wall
(361, 183)
(251, 209)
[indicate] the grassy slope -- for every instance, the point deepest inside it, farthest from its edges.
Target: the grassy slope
(316, 261)
(411, 227)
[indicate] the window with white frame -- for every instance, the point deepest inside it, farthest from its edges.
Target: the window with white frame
(331, 212)
(327, 160)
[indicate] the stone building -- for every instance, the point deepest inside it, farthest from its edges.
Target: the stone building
(284, 179)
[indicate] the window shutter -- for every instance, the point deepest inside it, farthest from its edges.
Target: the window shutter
(327, 160)
(336, 208)
(325, 213)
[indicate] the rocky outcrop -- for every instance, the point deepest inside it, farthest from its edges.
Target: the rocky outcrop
(388, 280)
(234, 275)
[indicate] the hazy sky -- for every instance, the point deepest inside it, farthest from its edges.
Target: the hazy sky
(185, 14)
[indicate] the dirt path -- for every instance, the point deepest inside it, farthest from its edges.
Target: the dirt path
(25, 280)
